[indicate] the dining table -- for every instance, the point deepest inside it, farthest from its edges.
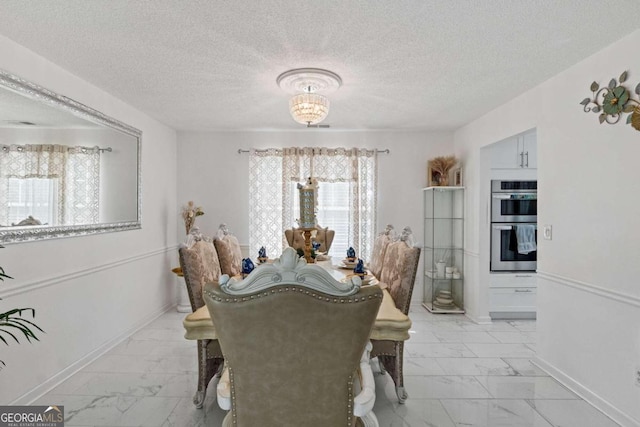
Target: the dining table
(390, 324)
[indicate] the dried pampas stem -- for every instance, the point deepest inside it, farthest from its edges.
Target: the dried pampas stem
(443, 164)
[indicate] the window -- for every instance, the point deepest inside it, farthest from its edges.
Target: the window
(55, 184)
(347, 181)
(32, 197)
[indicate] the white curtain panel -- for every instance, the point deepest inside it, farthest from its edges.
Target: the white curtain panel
(348, 174)
(74, 173)
(82, 183)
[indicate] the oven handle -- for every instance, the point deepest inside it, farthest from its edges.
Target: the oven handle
(507, 227)
(515, 196)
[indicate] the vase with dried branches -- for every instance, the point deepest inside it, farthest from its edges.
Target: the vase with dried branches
(442, 165)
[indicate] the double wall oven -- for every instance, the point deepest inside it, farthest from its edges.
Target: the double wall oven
(514, 204)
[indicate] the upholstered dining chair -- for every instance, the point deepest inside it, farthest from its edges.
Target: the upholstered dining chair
(229, 252)
(379, 249)
(399, 274)
(293, 339)
(324, 236)
(199, 264)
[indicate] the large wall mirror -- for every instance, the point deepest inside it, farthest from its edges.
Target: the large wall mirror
(65, 169)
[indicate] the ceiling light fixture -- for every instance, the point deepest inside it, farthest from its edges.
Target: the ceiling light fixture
(307, 106)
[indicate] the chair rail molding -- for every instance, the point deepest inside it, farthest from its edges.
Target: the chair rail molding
(42, 283)
(591, 288)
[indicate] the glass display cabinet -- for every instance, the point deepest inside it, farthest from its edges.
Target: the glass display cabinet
(443, 249)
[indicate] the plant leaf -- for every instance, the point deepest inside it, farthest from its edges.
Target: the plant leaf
(596, 109)
(629, 108)
(602, 118)
(585, 101)
(623, 77)
(8, 333)
(638, 89)
(612, 83)
(629, 119)
(594, 86)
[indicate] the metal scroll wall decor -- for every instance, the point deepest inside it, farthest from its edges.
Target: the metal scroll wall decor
(612, 101)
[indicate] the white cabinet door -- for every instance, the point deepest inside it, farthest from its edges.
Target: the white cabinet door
(512, 292)
(512, 300)
(518, 152)
(504, 154)
(529, 150)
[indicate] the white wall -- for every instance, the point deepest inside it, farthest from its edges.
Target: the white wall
(89, 291)
(588, 298)
(216, 177)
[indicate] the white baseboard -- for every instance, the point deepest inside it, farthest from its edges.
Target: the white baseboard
(480, 320)
(599, 403)
(48, 385)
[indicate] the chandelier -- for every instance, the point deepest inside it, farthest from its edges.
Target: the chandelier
(307, 106)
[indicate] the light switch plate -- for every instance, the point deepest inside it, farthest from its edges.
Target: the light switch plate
(547, 232)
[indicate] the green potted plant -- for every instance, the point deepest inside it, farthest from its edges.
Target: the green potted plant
(13, 324)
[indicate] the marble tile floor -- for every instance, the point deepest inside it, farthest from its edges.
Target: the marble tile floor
(457, 373)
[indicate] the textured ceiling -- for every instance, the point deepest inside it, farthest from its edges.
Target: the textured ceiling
(405, 64)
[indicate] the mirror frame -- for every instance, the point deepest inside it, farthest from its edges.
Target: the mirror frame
(40, 94)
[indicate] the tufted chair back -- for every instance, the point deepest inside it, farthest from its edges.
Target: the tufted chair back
(399, 272)
(379, 249)
(199, 265)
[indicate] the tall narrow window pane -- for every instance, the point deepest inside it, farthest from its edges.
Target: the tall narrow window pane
(34, 197)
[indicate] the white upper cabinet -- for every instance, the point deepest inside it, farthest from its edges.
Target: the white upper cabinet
(528, 146)
(517, 152)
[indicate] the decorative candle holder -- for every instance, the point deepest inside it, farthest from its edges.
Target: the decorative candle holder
(262, 255)
(307, 221)
(351, 254)
(359, 269)
(247, 266)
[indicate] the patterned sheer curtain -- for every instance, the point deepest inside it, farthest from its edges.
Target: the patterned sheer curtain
(82, 183)
(58, 181)
(347, 173)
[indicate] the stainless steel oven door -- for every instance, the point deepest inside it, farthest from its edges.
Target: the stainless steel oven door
(504, 250)
(514, 207)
